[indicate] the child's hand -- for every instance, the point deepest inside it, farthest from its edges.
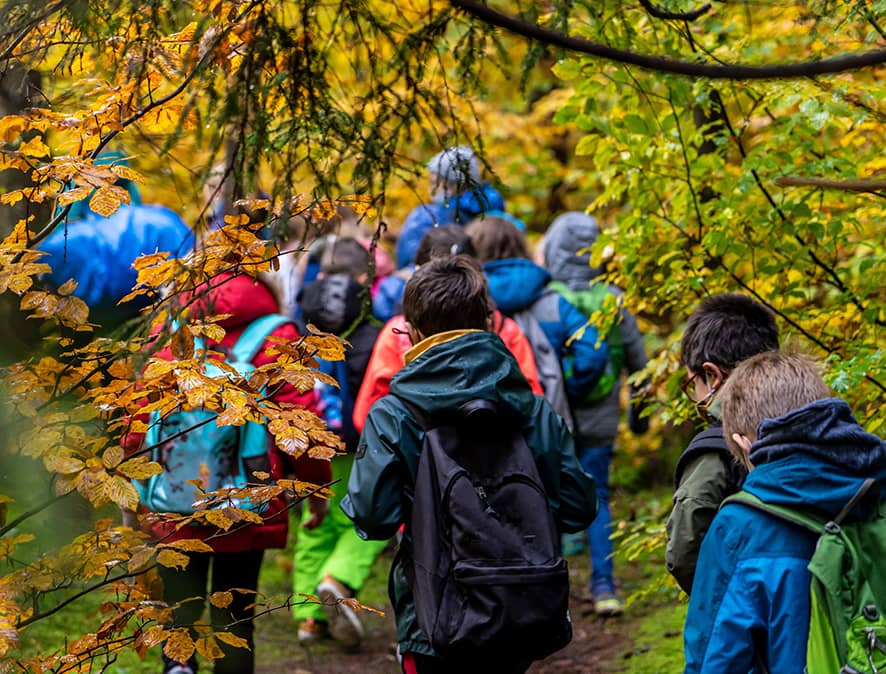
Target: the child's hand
(318, 507)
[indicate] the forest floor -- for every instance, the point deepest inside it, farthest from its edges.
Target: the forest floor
(646, 640)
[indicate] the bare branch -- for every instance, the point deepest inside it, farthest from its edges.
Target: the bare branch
(836, 64)
(851, 185)
(659, 13)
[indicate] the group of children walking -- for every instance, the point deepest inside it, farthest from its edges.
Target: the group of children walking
(479, 421)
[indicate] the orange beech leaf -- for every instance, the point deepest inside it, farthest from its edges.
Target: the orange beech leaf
(221, 599)
(172, 559)
(189, 545)
(112, 457)
(208, 647)
(179, 646)
(107, 199)
(120, 491)
(139, 468)
(232, 640)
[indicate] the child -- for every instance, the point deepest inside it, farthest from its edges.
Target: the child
(750, 603)
(723, 331)
(597, 415)
(455, 360)
(558, 332)
(237, 556)
(458, 195)
(393, 342)
(331, 562)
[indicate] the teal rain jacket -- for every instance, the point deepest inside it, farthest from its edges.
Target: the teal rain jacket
(380, 490)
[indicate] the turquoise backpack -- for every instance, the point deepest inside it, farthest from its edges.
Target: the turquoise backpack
(847, 625)
(189, 446)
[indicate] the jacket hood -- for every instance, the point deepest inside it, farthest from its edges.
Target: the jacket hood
(474, 365)
(242, 296)
(468, 205)
(515, 283)
(332, 303)
(569, 233)
(816, 457)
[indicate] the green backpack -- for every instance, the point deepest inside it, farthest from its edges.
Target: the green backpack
(588, 302)
(847, 625)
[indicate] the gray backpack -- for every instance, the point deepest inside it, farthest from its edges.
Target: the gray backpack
(547, 362)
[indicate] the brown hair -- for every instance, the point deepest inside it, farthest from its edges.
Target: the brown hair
(767, 386)
(447, 293)
(496, 238)
(442, 241)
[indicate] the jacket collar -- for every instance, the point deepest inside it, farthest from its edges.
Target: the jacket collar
(433, 340)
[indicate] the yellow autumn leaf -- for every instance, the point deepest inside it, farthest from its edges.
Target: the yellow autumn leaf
(189, 545)
(112, 457)
(12, 127)
(140, 558)
(107, 199)
(62, 463)
(172, 559)
(221, 599)
(208, 647)
(35, 147)
(179, 646)
(72, 195)
(139, 468)
(67, 287)
(232, 640)
(127, 173)
(182, 343)
(120, 491)
(219, 519)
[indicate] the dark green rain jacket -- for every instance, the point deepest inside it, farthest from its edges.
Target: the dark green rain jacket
(446, 375)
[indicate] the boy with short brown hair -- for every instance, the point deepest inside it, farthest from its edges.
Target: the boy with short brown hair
(750, 603)
(455, 361)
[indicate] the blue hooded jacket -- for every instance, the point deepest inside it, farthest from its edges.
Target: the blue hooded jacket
(459, 211)
(98, 253)
(750, 596)
(518, 284)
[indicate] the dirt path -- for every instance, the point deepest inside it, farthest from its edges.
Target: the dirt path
(596, 643)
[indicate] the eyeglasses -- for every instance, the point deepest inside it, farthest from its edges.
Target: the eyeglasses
(688, 387)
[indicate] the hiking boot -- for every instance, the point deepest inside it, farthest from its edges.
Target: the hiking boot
(607, 604)
(344, 625)
(313, 630)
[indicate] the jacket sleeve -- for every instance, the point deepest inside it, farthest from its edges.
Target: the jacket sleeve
(379, 477)
(589, 359)
(727, 609)
(519, 346)
(386, 361)
(702, 488)
(571, 492)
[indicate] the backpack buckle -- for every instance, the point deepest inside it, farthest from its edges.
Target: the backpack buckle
(870, 613)
(832, 528)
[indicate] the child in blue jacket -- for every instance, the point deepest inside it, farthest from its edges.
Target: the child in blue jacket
(749, 607)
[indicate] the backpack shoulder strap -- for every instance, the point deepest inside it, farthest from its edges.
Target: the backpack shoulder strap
(801, 519)
(255, 334)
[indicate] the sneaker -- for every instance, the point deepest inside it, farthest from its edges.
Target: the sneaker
(313, 630)
(179, 669)
(344, 625)
(607, 604)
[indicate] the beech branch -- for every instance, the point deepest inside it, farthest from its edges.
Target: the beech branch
(850, 185)
(835, 64)
(659, 13)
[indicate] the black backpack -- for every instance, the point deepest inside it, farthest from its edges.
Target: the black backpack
(488, 578)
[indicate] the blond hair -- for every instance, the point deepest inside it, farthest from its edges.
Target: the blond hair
(767, 386)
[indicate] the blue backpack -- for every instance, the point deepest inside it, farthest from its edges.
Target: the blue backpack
(189, 446)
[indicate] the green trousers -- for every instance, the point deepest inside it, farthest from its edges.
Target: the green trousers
(333, 548)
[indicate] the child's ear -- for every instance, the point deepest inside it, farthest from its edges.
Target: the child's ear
(744, 443)
(414, 335)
